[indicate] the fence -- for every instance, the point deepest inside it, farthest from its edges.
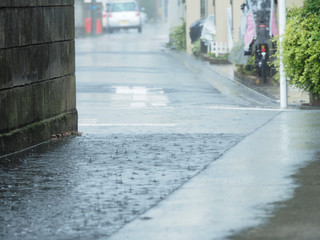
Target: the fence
(217, 48)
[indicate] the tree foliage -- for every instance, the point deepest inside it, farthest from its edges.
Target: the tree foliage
(301, 47)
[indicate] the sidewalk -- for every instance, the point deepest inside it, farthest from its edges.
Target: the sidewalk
(245, 187)
(251, 192)
(296, 97)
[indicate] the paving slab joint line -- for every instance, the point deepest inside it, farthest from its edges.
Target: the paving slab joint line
(204, 168)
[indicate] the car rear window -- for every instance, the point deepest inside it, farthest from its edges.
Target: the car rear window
(108, 6)
(124, 7)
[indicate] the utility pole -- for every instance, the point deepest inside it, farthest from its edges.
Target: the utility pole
(93, 17)
(283, 79)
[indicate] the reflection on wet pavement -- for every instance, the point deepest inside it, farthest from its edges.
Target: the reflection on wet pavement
(150, 122)
(93, 185)
(140, 96)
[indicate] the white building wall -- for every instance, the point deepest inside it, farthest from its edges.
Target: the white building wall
(176, 11)
(79, 13)
(193, 13)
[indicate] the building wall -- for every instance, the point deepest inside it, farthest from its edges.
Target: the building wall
(193, 13)
(291, 3)
(79, 9)
(221, 20)
(210, 7)
(176, 11)
(236, 10)
(37, 72)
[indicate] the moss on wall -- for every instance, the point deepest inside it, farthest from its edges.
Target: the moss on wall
(37, 67)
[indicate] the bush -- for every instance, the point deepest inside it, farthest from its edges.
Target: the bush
(196, 48)
(311, 6)
(248, 69)
(178, 36)
(220, 56)
(301, 47)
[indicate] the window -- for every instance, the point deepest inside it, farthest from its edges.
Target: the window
(124, 7)
(203, 8)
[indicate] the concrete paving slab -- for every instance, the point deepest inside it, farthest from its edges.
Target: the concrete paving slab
(239, 190)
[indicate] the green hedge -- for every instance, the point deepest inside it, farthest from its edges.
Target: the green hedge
(301, 47)
(178, 36)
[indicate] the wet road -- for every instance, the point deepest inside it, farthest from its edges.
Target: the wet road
(151, 120)
(128, 82)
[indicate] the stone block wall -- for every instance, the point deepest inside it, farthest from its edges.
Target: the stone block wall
(37, 72)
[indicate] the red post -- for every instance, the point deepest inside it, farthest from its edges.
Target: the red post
(88, 25)
(99, 26)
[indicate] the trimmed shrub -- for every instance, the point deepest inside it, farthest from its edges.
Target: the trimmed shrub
(301, 47)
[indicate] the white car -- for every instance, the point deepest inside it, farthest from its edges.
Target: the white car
(124, 15)
(105, 9)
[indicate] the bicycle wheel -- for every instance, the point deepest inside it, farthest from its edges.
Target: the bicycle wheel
(264, 69)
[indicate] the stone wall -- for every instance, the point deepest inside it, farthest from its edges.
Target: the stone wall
(37, 72)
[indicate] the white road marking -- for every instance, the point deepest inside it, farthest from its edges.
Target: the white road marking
(127, 124)
(249, 109)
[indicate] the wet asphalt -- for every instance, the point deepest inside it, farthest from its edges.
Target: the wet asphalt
(152, 122)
